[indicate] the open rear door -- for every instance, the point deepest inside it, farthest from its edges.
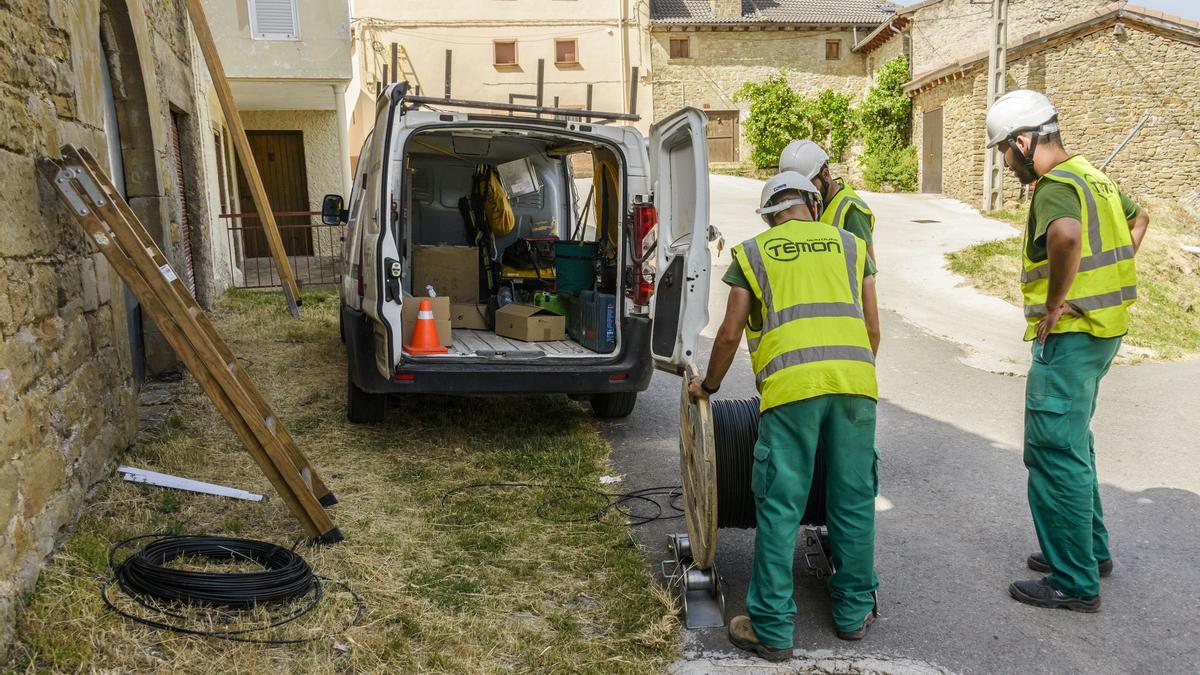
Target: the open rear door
(381, 253)
(679, 170)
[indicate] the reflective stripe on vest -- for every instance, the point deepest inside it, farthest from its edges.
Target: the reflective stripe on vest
(817, 343)
(1106, 282)
(835, 210)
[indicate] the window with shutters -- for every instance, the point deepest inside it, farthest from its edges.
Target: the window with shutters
(274, 20)
(566, 52)
(833, 50)
(680, 48)
(504, 52)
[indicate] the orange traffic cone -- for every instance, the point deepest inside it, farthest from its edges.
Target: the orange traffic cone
(425, 337)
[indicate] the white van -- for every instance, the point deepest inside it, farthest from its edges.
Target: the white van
(637, 208)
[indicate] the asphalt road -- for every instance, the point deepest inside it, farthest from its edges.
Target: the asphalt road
(953, 526)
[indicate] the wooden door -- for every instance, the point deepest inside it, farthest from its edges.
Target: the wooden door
(279, 156)
(722, 135)
(931, 151)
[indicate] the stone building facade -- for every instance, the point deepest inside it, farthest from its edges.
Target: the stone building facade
(117, 77)
(1103, 72)
(703, 51)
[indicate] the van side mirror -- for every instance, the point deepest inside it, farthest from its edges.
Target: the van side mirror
(333, 211)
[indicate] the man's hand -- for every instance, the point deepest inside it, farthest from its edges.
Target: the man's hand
(695, 389)
(1052, 316)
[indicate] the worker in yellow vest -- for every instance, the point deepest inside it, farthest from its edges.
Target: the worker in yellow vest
(843, 207)
(1078, 281)
(804, 294)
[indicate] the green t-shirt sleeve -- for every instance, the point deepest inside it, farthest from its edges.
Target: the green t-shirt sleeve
(859, 224)
(1129, 206)
(1051, 200)
(734, 276)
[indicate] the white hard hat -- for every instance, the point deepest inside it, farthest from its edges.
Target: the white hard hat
(804, 157)
(781, 182)
(1019, 111)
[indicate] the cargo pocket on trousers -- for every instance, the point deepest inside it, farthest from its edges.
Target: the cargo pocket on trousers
(1046, 421)
(763, 472)
(875, 470)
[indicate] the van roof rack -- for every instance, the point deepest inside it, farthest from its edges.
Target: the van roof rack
(581, 114)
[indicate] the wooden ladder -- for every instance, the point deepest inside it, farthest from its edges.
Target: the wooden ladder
(103, 213)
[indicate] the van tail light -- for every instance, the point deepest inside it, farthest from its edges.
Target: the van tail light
(645, 236)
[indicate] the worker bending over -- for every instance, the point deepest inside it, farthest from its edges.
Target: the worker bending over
(804, 293)
(843, 207)
(1078, 281)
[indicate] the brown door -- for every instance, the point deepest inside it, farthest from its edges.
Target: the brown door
(931, 151)
(722, 135)
(279, 156)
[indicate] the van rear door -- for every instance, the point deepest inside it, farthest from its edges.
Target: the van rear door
(679, 171)
(382, 264)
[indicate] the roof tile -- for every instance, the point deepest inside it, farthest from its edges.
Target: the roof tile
(775, 11)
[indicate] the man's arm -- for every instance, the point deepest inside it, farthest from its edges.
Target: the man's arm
(871, 311)
(725, 346)
(1137, 228)
(1062, 250)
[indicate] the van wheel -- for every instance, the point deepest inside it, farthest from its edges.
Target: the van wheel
(619, 404)
(363, 407)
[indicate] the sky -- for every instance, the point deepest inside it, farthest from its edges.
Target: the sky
(1189, 9)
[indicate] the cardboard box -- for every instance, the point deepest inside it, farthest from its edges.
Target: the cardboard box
(441, 317)
(473, 317)
(530, 323)
(453, 271)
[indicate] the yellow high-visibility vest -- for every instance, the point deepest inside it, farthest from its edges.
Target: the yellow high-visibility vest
(837, 208)
(1106, 284)
(811, 337)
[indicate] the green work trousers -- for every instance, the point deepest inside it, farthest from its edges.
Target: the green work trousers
(783, 469)
(1060, 453)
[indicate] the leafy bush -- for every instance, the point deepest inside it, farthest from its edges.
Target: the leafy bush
(895, 166)
(776, 117)
(833, 122)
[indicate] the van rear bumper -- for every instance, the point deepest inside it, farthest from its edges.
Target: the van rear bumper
(631, 371)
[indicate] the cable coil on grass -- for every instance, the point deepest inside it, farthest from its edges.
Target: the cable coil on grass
(735, 431)
(286, 588)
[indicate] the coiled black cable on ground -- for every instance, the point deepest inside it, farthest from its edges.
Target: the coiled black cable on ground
(286, 588)
(621, 502)
(735, 431)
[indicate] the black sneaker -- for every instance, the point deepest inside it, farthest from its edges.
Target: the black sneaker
(1040, 593)
(741, 634)
(1037, 563)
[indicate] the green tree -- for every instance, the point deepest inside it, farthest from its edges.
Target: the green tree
(833, 122)
(885, 120)
(777, 115)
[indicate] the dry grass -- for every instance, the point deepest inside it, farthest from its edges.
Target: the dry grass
(1166, 317)
(483, 583)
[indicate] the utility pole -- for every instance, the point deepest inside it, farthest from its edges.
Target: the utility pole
(993, 164)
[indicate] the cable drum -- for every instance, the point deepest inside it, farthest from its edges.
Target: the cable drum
(735, 431)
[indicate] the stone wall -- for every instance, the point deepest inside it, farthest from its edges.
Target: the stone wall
(1097, 108)
(947, 31)
(722, 61)
(66, 392)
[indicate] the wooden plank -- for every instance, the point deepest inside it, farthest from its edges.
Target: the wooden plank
(227, 356)
(237, 131)
(162, 295)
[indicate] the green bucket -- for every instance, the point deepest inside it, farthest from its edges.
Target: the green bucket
(573, 265)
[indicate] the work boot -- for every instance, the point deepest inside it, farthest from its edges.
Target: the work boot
(861, 631)
(741, 634)
(1040, 593)
(1037, 563)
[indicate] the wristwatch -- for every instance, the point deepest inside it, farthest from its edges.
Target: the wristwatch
(710, 392)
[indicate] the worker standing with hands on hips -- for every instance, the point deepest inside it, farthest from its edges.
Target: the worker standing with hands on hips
(843, 207)
(804, 293)
(1078, 281)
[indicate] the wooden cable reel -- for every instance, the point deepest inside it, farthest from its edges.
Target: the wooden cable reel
(698, 468)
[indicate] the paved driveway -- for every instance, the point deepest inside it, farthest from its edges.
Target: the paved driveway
(953, 525)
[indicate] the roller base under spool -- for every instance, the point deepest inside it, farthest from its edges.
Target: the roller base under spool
(701, 590)
(813, 551)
